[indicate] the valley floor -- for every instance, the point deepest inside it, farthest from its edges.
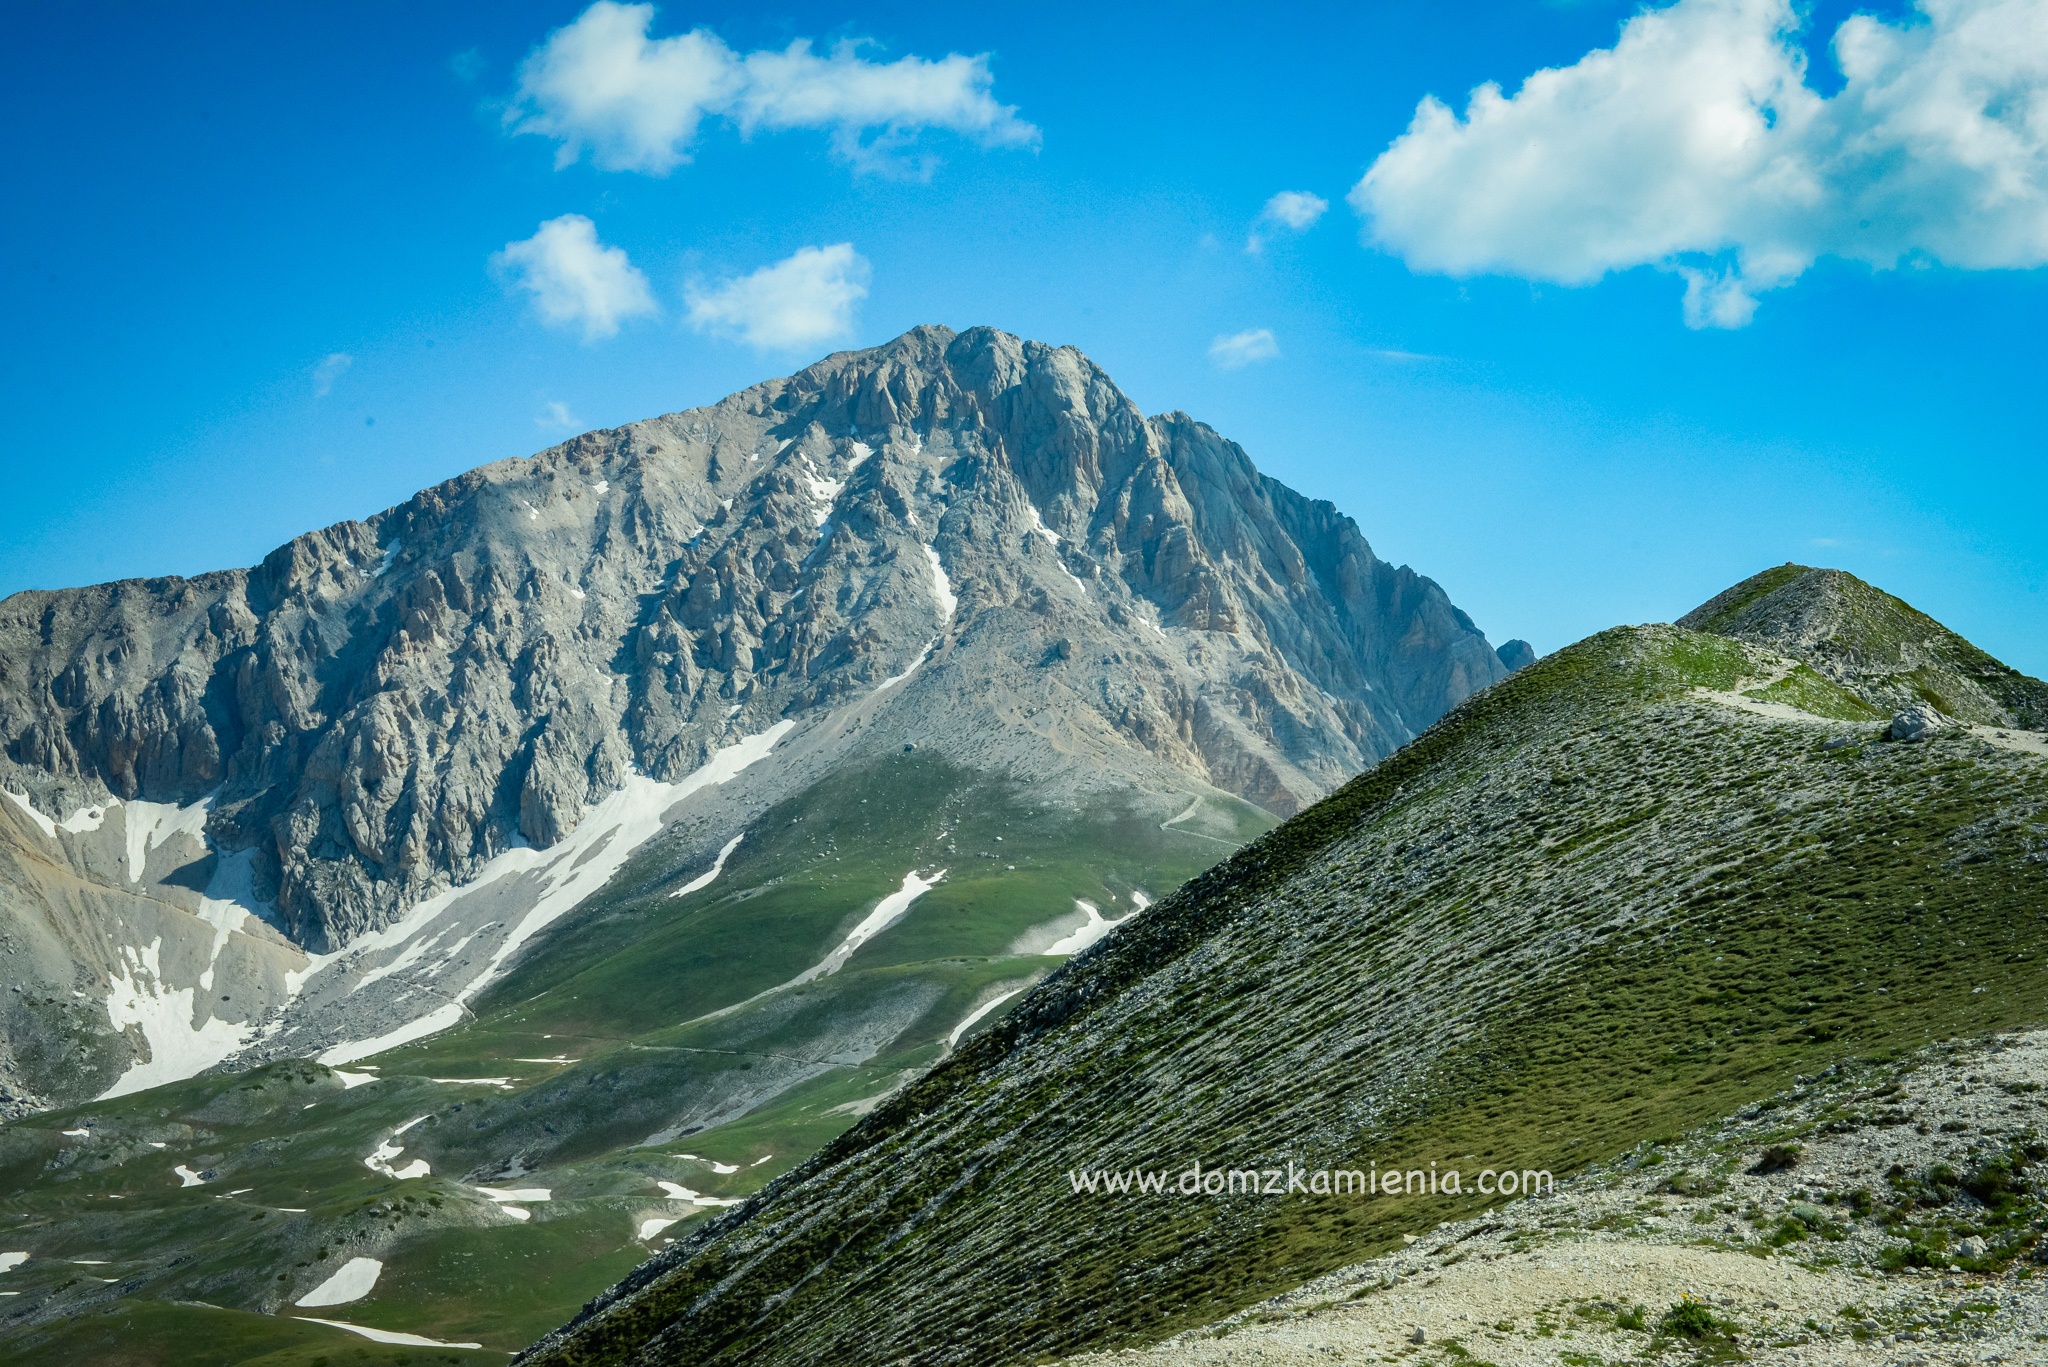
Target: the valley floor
(1873, 1246)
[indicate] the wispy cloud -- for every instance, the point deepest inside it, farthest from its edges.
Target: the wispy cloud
(575, 280)
(1294, 211)
(1695, 144)
(555, 416)
(331, 368)
(808, 297)
(601, 86)
(1240, 349)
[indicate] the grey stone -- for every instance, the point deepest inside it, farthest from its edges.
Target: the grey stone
(1917, 723)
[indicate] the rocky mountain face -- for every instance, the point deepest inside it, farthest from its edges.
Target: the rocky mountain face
(232, 779)
(1643, 883)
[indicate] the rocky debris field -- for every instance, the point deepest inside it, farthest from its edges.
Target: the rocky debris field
(1887, 1212)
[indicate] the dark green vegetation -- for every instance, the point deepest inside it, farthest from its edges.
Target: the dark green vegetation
(1592, 906)
(128, 1265)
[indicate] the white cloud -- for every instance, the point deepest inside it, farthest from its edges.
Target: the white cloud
(331, 368)
(808, 298)
(556, 414)
(1696, 145)
(1241, 349)
(575, 279)
(1294, 210)
(634, 103)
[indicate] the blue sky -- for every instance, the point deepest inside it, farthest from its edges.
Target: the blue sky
(1585, 354)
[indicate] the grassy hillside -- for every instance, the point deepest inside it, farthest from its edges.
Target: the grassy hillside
(1593, 905)
(647, 1044)
(1861, 637)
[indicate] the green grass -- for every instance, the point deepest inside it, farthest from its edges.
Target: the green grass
(153, 1333)
(1719, 907)
(621, 988)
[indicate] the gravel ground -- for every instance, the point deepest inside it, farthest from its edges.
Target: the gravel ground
(1561, 1279)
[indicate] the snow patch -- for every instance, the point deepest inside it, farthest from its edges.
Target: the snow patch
(894, 679)
(178, 1049)
(43, 823)
(676, 1191)
(650, 1228)
(705, 880)
(603, 486)
(390, 554)
(351, 1283)
(228, 903)
(827, 492)
(942, 587)
(10, 1261)
(1039, 528)
(887, 913)
(504, 1082)
(386, 1335)
(861, 451)
(567, 872)
(1140, 900)
(152, 823)
(1097, 927)
(187, 1177)
(380, 1161)
(975, 1015)
(504, 1194)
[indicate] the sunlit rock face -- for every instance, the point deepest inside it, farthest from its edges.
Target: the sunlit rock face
(985, 529)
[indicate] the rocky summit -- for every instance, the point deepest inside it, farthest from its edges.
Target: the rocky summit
(415, 932)
(966, 543)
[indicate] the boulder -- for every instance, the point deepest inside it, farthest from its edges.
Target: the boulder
(1918, 722)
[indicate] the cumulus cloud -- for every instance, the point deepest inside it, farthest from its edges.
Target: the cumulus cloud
(331, 368)
(1296, 211)
(634, 103)
(1696, 144)
(807, 298)
(1241, 349)
(574, 279)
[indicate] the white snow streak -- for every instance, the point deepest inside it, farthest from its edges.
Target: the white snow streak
(568, 871)
(78, 823)
(504, 1194)
(178, 1049)
(705, 880)
(887, 913)
(351, 1283)
(942, 587)
(676, 1191)
(1087, 935)
(975, 1015)
(187, 1177)
(386, 1335)
(43, 823)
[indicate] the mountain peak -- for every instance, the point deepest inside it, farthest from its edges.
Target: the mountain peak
(1873, 644)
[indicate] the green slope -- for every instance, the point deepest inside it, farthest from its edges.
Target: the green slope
(625, 994)
(1591, 906)
(1876, 645)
